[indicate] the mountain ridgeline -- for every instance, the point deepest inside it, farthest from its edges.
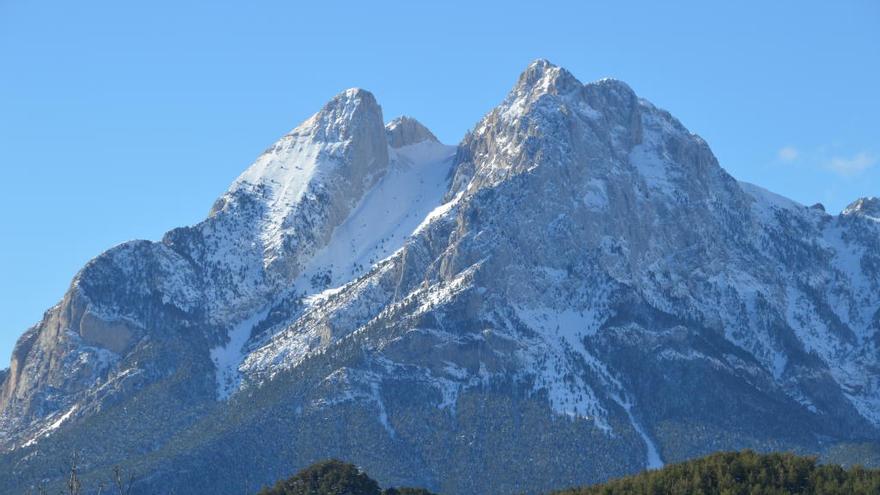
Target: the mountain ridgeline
(575, 292)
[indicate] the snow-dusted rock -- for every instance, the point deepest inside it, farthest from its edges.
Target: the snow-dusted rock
(405, 131)
(864, 207)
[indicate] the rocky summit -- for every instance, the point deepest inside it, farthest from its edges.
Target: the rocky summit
(575, 292)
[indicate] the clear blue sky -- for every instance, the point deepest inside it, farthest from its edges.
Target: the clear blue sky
(121, 120)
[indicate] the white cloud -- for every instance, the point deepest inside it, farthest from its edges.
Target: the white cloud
(851, 166)
(788, 154)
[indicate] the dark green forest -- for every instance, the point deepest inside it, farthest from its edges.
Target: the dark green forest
(743, 473)
(335, 478)
(726, 473)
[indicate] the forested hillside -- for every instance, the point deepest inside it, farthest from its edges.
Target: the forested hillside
(728, 473)
(335, 478)
(742, 473)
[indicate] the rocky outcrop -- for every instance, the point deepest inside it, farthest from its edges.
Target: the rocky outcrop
(406, 131)
(865, 207)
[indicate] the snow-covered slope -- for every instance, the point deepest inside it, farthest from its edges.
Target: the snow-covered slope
(577, 291)
(413, 185)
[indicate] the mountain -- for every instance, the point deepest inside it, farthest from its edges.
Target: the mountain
(575, 292)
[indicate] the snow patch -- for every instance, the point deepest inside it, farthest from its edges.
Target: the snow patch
(388, 214)
(227, 358)
(652, 456)
(54, 425)
(561, 333)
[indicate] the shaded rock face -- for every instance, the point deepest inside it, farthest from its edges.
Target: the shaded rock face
(406, 131)
(586, 293)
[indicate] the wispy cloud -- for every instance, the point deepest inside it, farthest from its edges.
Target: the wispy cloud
(823, 158)
(850, 167)
(788, 154)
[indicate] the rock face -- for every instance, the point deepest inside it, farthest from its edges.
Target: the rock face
(405, 131)
(577, 291)
(865, 207)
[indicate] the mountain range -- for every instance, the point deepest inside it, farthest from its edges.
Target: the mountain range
(575, 292)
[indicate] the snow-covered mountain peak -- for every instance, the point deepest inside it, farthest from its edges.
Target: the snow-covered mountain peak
(404, 131)
(550, 118)
(285, 206)
(868, 207)
(349, 116)
(339, 118)
(542, 77)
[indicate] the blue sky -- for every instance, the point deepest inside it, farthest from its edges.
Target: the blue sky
(121, 120)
